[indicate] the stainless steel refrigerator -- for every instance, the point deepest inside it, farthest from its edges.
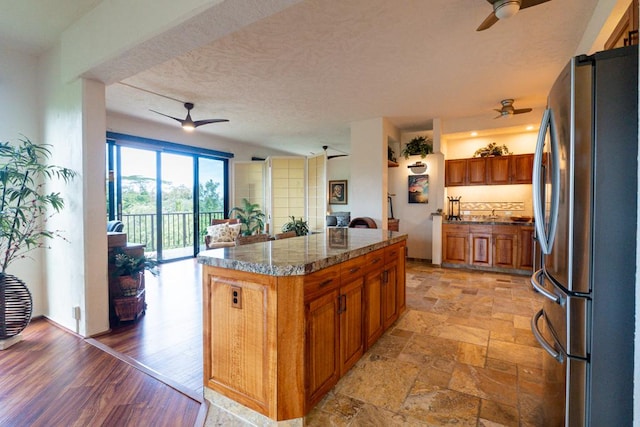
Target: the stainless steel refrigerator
(585, 201)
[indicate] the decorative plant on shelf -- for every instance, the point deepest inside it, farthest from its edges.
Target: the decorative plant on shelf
(129, 270)
(419, 145)
(492, 149)
(25, 207)
(391, 155)
(250, 216)
(300, 226)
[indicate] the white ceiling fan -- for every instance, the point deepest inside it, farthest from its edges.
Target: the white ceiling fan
(503, 9)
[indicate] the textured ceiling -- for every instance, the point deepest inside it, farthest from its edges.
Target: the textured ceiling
(296, 79)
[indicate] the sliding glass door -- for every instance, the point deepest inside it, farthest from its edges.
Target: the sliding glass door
(165, 194)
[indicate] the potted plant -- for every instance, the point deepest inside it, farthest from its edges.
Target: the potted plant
(250, 216)
(25, 207)
(419, 145)
(492, 149)
(300, 226)
(129, 270)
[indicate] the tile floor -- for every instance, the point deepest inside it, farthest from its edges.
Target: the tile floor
(462, 354)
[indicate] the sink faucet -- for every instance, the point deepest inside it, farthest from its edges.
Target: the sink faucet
(493, 212)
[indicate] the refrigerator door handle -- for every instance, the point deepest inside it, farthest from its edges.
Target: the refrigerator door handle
(545, 345)
(546, 238)
(535, 282)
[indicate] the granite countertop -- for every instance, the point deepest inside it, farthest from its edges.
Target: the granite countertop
(486, 221)
(301, 255)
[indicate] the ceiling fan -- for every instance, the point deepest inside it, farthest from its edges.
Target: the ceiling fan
(324, 147)
(507, 109)
(188, 124)
(503, 9)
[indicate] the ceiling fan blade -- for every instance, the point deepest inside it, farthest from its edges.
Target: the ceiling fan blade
(336, 155)
(501, 115)
(206, 122)
(488, 22)
(166, 115)
(522, 110)
(529, 3)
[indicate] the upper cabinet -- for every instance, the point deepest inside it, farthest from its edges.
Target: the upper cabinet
(626, 32)
(499, 170)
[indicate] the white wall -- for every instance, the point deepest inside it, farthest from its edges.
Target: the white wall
(20, 117)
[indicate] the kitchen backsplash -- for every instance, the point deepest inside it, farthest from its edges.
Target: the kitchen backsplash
(490, 206)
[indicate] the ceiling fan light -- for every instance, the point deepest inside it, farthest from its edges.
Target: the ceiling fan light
(189, 127)
(507, 9)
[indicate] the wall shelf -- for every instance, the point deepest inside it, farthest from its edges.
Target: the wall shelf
(392, 164)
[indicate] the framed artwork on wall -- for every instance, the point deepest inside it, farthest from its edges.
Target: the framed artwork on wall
(418, 188)
(338, 192)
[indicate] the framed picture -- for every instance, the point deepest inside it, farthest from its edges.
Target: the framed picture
(418, 188)
(338, 237)
(338, 192)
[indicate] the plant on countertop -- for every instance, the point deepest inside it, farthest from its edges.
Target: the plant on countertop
(250, 216)
(492, 149)
(25, 206)
(300, 226)
(419, 145)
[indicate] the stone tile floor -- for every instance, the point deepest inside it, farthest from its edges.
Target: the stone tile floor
(462, 354)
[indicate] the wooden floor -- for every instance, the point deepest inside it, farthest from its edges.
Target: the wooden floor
(55, 378)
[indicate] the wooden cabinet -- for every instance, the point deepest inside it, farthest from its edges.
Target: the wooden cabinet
(525, 248)
(480, 241)
(373, 323)
(455, 244)
(322, 344)
(505, 245)
(499, 170)
(498, 247)
(476, 171)
(626, 31)
(455, 173)
(521, 168)
(351, 313)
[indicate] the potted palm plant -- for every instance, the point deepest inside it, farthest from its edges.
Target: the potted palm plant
(25, 207)
(300, 226)
(250, 216)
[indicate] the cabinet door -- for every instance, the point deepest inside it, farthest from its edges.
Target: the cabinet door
(351, 330)
(455, 172)
(525, 248)
(396, 253)
(455, 244)
(499, 170)
(322, 344)
(480, 238)
(373, 324)
(389, 295)
(505, 246)
(477, 171)
(521, 168)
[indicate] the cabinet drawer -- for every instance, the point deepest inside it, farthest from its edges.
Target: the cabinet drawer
(455, 228)
(391, 253)
(352, 269)
(322, 281)
(375, 259)
(480, 229)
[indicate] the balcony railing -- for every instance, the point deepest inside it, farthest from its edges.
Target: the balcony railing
(177, 228)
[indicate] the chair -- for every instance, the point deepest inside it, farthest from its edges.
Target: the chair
(255, 238)
(362, 222)
(115, 226)
(285, 235)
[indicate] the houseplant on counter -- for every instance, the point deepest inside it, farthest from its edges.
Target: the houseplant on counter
(25, 207)
(250, 216)
(300, 226)
(419, 145)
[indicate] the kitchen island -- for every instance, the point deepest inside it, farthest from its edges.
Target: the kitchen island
(285, 319)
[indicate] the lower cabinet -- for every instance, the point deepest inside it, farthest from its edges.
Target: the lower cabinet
(488, 246)
(347, 314)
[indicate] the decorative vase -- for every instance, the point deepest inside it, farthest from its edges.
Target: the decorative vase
(16, 306)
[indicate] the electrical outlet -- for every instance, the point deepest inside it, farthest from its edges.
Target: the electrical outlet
(236, 297)
(76, 312)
